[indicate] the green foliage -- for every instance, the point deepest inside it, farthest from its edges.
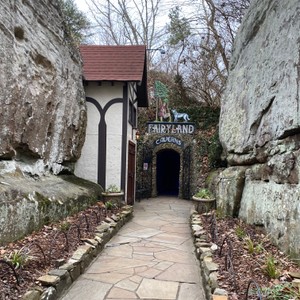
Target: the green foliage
(112, 188)
(215, 151)
(179, 93)
(179, 27)
(259, 248)
(161, 91)
(240, 232)
(65, 226)
(19, 258)
(203, 117)
(271, 268)
(204, 194)
(250, 245)
(281, 292)
(109, 205)
(76, 22)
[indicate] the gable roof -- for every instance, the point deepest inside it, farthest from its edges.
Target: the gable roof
(116, 63)
(113, 63)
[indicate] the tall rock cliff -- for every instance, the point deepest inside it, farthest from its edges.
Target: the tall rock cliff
(42, 111)
(42, 119)
(260, 124)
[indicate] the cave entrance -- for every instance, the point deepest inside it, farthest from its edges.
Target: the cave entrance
(167, 172)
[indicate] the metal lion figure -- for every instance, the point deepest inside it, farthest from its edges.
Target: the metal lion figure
(178, 115)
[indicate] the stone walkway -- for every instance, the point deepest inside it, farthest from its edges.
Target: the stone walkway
(151, 257)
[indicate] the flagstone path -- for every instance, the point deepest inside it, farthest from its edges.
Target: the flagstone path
(151, 257)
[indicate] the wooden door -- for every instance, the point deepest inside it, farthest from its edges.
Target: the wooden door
(131, 173)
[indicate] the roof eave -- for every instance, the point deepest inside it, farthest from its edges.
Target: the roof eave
(142, 89)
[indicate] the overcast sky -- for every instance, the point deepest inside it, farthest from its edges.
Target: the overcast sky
(166, 4)
(162, 19)
(81, 5)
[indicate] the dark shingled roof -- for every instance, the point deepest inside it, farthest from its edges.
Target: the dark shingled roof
(116, 63)
(113, 63)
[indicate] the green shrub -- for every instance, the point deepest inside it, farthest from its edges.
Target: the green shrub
(19, 258)
(109, 205)
(204, 194)
(271, 268)
(113, 189)
(283, 291)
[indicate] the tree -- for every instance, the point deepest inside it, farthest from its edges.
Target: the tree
(76, 23)
(123, 22)
(179, 30)
(204, 63)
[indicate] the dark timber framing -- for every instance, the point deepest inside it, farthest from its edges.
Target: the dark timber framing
(102, 137)
(124, 137)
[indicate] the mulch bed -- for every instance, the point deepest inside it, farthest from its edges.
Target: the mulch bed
(245, 253)
(45, 250)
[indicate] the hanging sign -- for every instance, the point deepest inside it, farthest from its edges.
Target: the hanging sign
(170, 128)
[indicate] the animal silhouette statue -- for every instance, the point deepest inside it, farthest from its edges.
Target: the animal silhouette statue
(178, 115)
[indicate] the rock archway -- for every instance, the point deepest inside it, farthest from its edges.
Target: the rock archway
(165, 166)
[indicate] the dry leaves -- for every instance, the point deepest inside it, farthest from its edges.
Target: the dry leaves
(46, 248)
(248, 250)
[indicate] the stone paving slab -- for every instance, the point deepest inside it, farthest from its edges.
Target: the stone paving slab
(151, 258)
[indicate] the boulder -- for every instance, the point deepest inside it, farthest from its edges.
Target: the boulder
(261, 100)
(259, 123)
(42, 111)
(230, 185)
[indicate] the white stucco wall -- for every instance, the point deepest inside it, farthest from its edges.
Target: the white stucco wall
(114, 122)
(87, 165)
(104, 92)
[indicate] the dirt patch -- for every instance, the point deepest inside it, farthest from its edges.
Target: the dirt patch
(46, 249)
(245, 253)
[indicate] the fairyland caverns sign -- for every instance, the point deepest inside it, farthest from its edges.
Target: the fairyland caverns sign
(168, 139)
(170, 128)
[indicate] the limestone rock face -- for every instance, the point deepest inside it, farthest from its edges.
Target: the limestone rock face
(261, 102)
(42, 111)
(260, 125)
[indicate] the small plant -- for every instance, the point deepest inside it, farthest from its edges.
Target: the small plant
(250, 245)
(240, 232)
(271, 269)
(109, 205)
(113, 189)
(282, 292)
(204, 194)
(259, 248)
(65, 226)
(19, 258)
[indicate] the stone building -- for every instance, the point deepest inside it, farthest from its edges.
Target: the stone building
(165, 160)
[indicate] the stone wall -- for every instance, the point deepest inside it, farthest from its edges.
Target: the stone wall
(148, 149)
(259, 123)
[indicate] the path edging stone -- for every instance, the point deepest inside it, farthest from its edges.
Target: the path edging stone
(57, 281)
(204, 251)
